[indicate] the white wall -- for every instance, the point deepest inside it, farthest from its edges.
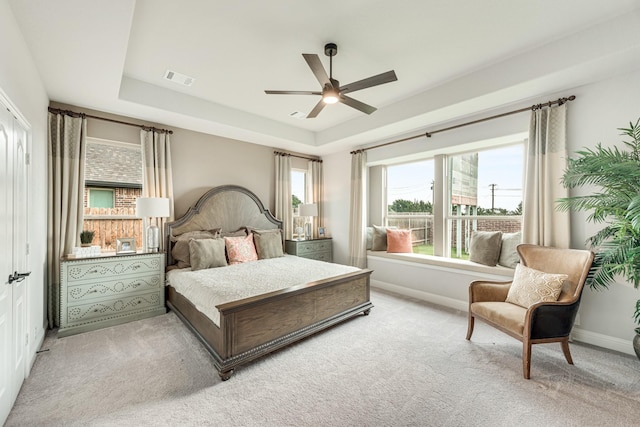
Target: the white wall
(596, 114)
(21, 83)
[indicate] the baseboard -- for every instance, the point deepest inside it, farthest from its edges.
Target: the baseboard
(587, 337)
(425, 296)
(38, 341)
(605, 341)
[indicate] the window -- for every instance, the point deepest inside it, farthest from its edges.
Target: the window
(410, 202)
(478, 190)
(101, 198)
(113, 182)
(298, 197)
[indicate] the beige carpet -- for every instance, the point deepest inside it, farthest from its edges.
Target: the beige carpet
(407, 364)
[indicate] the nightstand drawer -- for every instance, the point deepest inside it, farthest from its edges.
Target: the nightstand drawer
(319, 249)
(109, 308)
(77, 271)
(320, 256)
(313, 246)
(106, 288)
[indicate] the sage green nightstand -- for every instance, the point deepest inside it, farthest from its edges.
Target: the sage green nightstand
(110, 290)
(320, 249)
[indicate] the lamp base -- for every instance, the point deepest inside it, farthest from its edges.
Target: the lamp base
(307, 231)
(153, 239)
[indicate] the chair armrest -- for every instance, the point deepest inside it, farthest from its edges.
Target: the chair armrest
(551, 320)
(482, 290)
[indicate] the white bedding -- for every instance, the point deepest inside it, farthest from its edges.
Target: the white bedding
(214, 286)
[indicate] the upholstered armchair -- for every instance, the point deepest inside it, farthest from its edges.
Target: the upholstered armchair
(526, 318)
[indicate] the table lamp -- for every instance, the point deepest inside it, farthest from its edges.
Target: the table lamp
(152, 207)
(308, 210)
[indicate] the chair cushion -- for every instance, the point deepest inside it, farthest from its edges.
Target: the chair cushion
(531, 286)
(506, 315)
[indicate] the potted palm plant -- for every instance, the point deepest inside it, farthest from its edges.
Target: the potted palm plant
(616, 204)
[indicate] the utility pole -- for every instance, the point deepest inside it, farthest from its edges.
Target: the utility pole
(493, 192)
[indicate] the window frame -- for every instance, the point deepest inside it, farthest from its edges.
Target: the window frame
(111, 190)
(442, 217)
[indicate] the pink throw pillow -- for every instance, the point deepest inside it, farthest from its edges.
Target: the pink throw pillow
(240, 249)
(399, 241)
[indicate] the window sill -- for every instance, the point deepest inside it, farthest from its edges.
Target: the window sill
(450, 263)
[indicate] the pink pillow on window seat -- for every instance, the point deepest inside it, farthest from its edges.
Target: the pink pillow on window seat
(399, 241)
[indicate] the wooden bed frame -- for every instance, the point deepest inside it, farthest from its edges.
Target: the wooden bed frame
(255, 326)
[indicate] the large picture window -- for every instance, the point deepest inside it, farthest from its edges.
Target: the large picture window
(479, 190)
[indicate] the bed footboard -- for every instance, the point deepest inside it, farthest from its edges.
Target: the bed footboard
(253, 327)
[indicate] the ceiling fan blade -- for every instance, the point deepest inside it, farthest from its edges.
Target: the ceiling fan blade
(388, 77)
(291, 92)
(354, 103)
(316, 110)
(318, 70)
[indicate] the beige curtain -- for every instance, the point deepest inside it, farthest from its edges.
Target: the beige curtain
(284, 211)
(66, 160)
(317, 193)
(357, 215)
(546, 160)
(157, 179)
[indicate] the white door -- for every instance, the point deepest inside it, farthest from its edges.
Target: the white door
(13, 226)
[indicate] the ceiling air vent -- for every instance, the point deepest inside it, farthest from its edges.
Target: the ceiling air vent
(179, 78)
(298, 115)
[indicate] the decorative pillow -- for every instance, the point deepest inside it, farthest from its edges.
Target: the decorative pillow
(180, 250)
(240, 232)
(399, 241)
(379, 242)
(269, 244)
(508, 254)
(531, 286)
(207, 253)
(240, 249)
(485, 247)
(369, 238)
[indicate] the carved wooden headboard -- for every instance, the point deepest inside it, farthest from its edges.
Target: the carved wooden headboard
(228, 207)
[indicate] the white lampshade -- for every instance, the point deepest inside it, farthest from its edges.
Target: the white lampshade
(309, 209)
(152, 207)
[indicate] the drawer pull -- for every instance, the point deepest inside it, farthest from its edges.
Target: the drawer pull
(135, 267)
(95, 270)
(93, 291)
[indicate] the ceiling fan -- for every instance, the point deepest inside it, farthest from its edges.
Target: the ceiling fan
(332, 92)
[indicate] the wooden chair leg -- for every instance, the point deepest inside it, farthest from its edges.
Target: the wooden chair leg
(565, 350)
(526, 359)
(470, 327)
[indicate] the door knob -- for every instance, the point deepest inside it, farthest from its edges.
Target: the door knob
(17, 277)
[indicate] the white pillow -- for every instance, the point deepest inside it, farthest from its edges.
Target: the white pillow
(531, 286)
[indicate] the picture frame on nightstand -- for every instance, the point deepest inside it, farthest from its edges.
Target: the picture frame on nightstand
(321, 232)
(125, 246)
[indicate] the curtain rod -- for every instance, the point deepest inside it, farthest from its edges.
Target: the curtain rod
(282, 153)
(534, 107)
(76, 114)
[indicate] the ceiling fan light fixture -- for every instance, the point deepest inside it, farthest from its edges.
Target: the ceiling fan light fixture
(330, 97)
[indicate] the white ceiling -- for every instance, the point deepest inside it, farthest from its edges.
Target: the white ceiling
(452, 58)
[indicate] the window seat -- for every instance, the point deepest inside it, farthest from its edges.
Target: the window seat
(447, 263)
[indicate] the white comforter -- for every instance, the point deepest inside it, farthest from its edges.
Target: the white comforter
(214, 286)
